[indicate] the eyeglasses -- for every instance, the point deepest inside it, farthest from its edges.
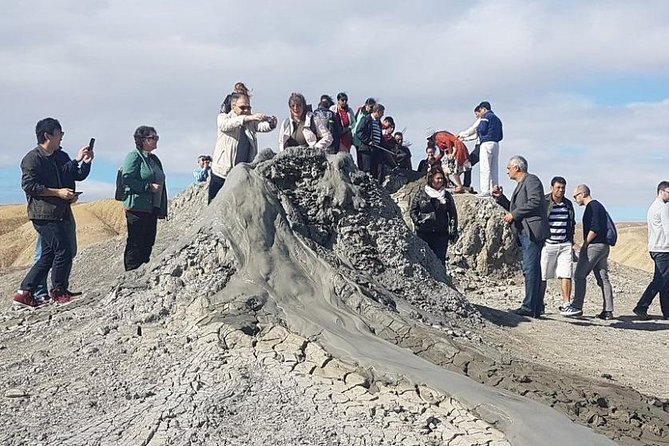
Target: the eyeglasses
(154, 137)
(576, 195)
(343, 99)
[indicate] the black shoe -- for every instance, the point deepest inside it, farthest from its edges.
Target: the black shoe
(522, 311)
(74, 293)
(642, 314)
(605, 315)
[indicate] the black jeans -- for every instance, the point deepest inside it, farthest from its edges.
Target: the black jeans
(215, 184)
(56, 256)
(473, 159)
(437, 242)
(659, 284)
(142, 228)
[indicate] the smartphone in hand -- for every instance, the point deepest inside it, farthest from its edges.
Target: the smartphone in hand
(91, 143)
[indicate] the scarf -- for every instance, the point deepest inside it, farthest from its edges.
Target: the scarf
(438, 194)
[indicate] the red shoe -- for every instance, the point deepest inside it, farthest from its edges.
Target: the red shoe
(60, 297)
(24, 299)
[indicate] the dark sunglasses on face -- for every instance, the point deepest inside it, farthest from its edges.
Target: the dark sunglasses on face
(244, 107)
(154, 137)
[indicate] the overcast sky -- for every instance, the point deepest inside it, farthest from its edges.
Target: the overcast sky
(581, 87)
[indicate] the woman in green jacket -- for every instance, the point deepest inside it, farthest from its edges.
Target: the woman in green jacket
(145, 197)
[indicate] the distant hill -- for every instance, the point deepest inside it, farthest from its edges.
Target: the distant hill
(97, 222)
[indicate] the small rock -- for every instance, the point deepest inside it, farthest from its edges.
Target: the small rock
(16, 393)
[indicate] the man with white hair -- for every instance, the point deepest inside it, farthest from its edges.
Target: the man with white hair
(658, 247)
(593, 257)
(527, 212)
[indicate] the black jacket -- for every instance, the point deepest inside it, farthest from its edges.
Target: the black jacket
(40, 171)
(429, 215)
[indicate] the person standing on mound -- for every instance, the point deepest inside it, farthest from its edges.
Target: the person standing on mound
(434, 215)
(50, 194)
(145, 197)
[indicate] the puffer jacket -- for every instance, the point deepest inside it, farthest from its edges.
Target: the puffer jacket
(227, 141)
(137, 178)
(320, 139)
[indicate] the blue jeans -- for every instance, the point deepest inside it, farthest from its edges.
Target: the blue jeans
(42, 290)
(56, 255)
(534, 300)
(660, 284)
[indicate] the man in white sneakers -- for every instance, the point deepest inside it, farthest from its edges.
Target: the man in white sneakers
(658, 247)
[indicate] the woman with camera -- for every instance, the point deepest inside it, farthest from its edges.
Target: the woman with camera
(434, 215)
(145, 197)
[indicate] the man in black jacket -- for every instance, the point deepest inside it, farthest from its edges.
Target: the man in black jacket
(527, 212)
(49, 192)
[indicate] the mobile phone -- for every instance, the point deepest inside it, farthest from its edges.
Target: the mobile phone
(91, 143)
(77, 193)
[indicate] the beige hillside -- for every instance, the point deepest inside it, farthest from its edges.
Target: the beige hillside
(632, 247)
(100, 220)
(96, 222)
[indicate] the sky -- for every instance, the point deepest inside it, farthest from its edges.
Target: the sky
(582, 88)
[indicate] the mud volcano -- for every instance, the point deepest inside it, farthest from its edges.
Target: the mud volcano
(297, 308)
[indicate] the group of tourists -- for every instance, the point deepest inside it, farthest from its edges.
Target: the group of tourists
(545, 224)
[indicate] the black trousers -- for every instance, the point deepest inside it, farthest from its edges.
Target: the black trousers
(56, 256)
(473, 159)
(437, 242)
(142, 228)
(215, 184)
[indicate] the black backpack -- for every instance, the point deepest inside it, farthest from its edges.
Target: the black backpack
(119, 193)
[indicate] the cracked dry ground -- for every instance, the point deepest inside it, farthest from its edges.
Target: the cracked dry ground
(207, 385)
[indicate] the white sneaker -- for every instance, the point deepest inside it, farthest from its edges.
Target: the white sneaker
(571, 311)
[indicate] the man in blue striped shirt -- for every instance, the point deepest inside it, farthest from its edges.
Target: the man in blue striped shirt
(556, 255)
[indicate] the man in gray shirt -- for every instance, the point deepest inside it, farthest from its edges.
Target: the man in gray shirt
(658, 247)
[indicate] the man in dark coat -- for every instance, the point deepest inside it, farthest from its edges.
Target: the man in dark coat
(527, 211)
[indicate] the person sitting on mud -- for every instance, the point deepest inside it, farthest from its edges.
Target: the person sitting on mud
(434, 215)
(302, 129)
(453, 154)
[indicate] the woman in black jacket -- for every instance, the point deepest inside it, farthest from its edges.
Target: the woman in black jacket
(433, 213)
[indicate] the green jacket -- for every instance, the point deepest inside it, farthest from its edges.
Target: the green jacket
(137, 177)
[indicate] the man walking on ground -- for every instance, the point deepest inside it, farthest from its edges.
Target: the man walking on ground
(490, 134)
(593, 256)
(527, 212)
(556, 255)
(49, 200)
(658, 247)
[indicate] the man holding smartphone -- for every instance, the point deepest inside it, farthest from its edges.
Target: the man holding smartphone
(48, 178)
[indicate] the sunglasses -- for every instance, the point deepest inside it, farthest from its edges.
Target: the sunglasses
(154, 137)
(244, 107)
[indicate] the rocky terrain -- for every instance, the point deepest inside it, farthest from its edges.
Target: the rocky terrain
(298, 308)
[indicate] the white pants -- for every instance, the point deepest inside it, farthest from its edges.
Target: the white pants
(489, 162)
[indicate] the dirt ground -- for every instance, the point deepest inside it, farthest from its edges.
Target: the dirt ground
(625, 350)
